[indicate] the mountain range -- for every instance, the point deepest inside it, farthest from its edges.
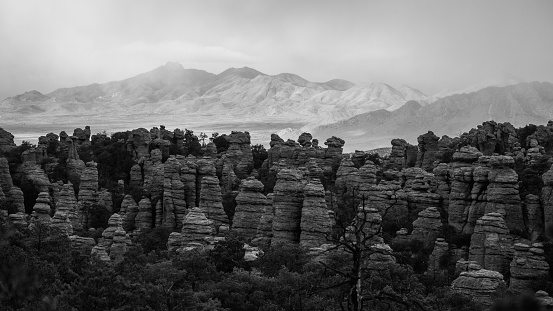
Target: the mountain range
(364, 114)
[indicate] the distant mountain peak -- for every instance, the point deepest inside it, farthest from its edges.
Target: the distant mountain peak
(244, 72)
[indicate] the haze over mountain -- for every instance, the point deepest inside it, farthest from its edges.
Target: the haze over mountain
(518, 104)
(364, 114)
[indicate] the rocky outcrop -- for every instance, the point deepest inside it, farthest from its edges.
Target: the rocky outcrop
(114, 222)
(288, 202)
(128, 212)
(74, 165)
(347, 185)
(144, 219)
(153, 175)
(491, 137)
(174, 242)
(138, 143)
(16, 196)
(211, 201)
(100, 252)
(547, 196)
(251, 204)
(480, 285)
(119, 246)
(174, 204)
(315, 220)
(41, 210)
(265, 227)
(136, 176)
(88, 189)
(502, 194)
(436, 262)
(83, 244)
(528, 265)
(67, 203)
(239, 153)
(195, 228)
(5, 178)
(491, 243)
(534, 225)
(428, 151)
(6, 140)
(427, 226)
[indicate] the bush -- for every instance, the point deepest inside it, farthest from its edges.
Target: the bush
(290, 256)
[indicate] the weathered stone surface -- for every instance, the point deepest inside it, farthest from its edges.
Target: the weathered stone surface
(528, 265)
(380, 257)
(502, 194)
(16, 195)
(239, 153)
(153, 174)
(545, 300)
(251, 204)
(547, 196)
(105, 200)
(174, 242)
(138, 143)
(195, 228)
(114, 222)
(427, 226)
(288, 201)
(211, 201)
(82, 243)
(61, 224)
(534, 226)
(174, 203)
(19, 220)
(5, 178)
(443, 184)
(136, 176)
(144, 219)
(100, 251)
(315, 221)
(119, 245)
(41, 210)
(265, 226)
(74, 165)
(347, 185)
(188, 178)
(492, 137)
(67, 203)
(428, 151)
(435, 261)
(128, 212)
(88, 190)
(6, 140)
(491, 243)
(479, 285)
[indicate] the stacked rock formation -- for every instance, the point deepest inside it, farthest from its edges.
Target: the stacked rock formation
(427, 226)
(195, 228)
(528, 265)
(114, 222)
(534, 226)
(347, 184)
(128, 211)
(503, 196)
(174, 242)
(239, 153)
(139, 143)
(100, 251)
(75, 166)
(41, 210)
(461, 174)
(491, 137)
(435, 261)
(61, 224)
(6, 140)
(174, 204)
(135, 176)
(82, 243)
(153, 174)
(211, 201)
(5, 178)
(428, 151)
(88, 189)
(315, 220)
(188, 178)
(67, 203)
(288, 202)
(16, 195)
(144, 218)
(265, 227)
(490, 244)
(479, 285)
(547, 196)
(251, 204)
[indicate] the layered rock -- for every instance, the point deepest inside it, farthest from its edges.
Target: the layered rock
(436, 260)
(188, 178)
(5, 178)
(288, 202)
(119, 245)
(547, 196)
(41, 210)
(503, 195)
(88, 190)
(114, 222)
(492, 137)
(16, 196)
(251, 205)
(174, 242)
(481, 285)
(315, 221)
(174, 204)
(427, 226)
(6, 140)
(534, 225)
(265, 227)
(128, 211)
(428, 151)
(153, 174)
(347, 184)
(239, 153)
(528, 265)
(144, 218)
(82, 243)
(195, 228)
(138, 143)
(491, 243)
(211, 201)
(100, 252)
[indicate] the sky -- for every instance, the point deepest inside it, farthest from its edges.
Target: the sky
(430, 45)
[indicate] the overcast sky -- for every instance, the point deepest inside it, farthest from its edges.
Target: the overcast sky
(430, 45)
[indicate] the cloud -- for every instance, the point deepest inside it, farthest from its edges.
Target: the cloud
(183, 52)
